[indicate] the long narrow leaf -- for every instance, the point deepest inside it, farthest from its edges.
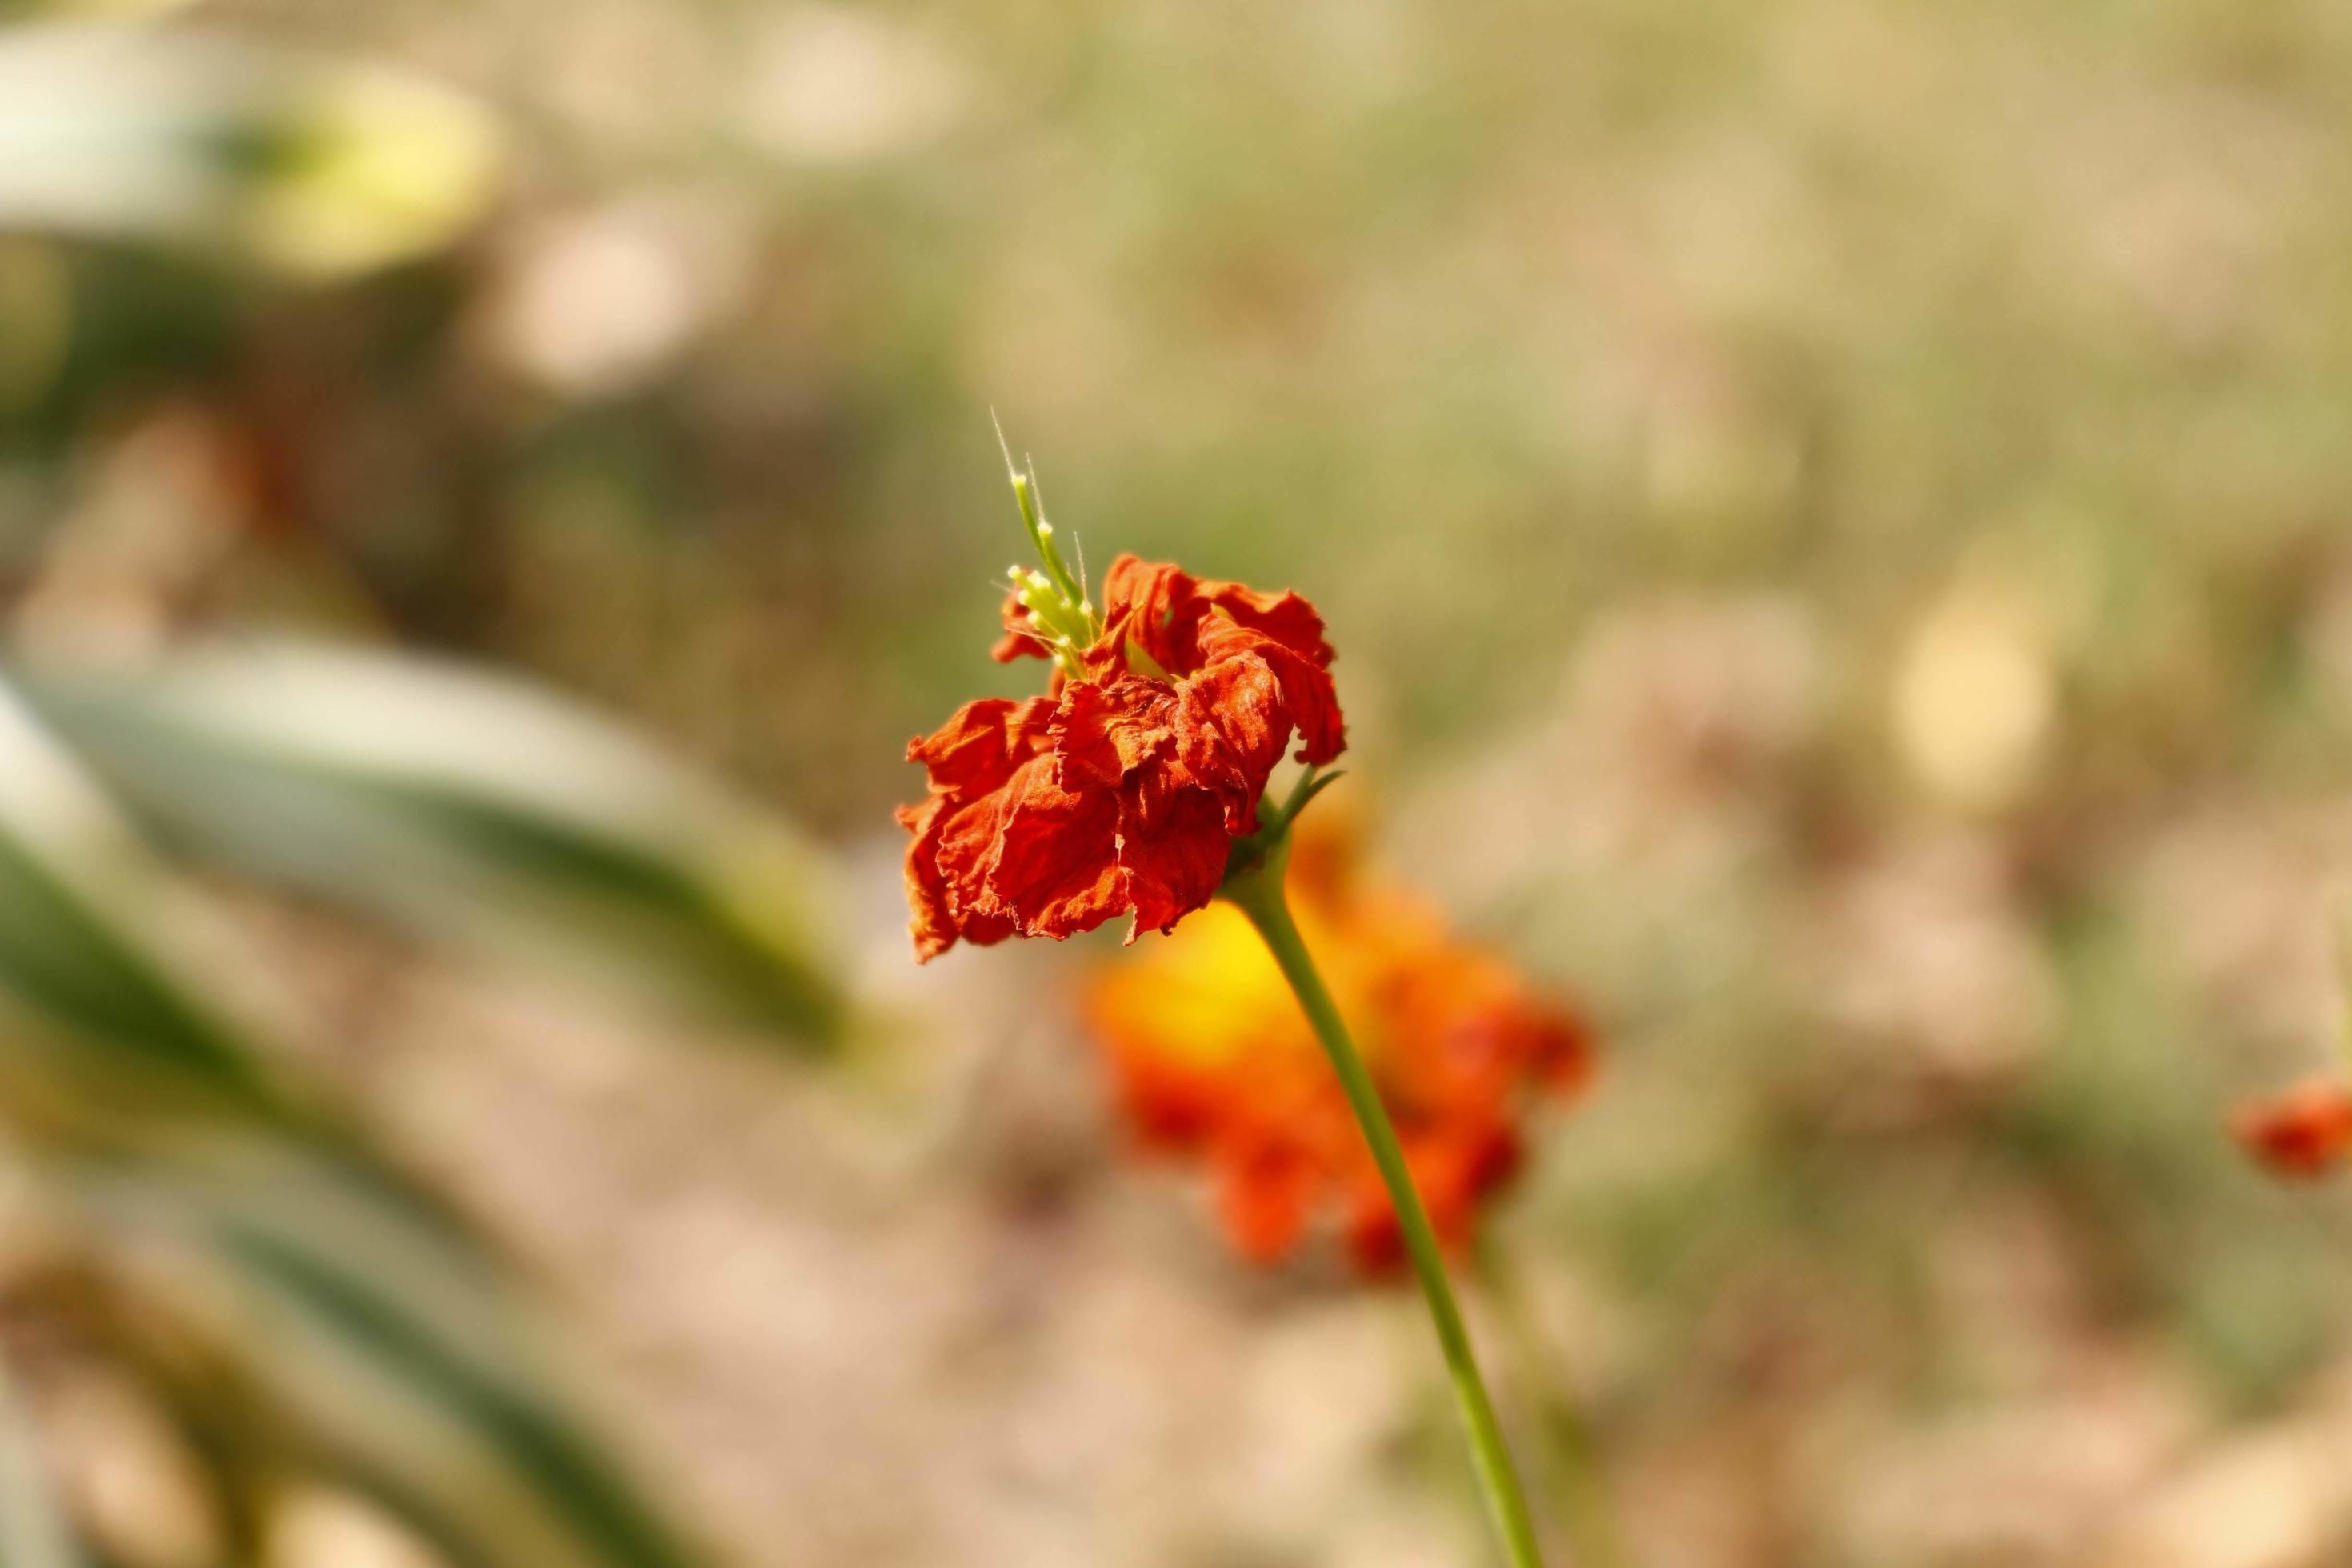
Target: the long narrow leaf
(386, 1347)
(473, 810)
(169, 135)
(82, 967)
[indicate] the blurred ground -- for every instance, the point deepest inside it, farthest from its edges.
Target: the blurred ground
(1835, 519)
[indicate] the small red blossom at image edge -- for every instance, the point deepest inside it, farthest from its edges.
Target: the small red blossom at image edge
(2303, 1133)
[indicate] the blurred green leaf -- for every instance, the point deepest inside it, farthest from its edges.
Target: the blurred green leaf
(371, 1335)
(473, 810)
(362, 1320)
(318, 168)
(80, 961)
(33, 1530)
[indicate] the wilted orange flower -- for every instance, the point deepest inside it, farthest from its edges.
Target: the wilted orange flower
(1213, 1059)
(2302, 1132)
(1121, 790)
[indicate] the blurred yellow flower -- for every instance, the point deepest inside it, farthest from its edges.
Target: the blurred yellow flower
(1214, 1061)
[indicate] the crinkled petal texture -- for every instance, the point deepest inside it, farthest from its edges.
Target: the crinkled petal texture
(1215, 1063)
(2306, 1132)
(1121, 791)
(1020, 638)
(1187, 625)
(973, 760)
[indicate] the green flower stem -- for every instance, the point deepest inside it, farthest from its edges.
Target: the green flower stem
(1256, 891)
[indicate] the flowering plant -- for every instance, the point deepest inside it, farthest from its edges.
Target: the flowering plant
(1135, 785)
(1123, 790)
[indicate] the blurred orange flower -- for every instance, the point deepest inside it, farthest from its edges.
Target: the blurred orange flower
(1213, 1059)
(2304, 1132)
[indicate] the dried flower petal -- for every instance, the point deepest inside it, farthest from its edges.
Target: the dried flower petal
(1022, 640)
(1120, 793)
